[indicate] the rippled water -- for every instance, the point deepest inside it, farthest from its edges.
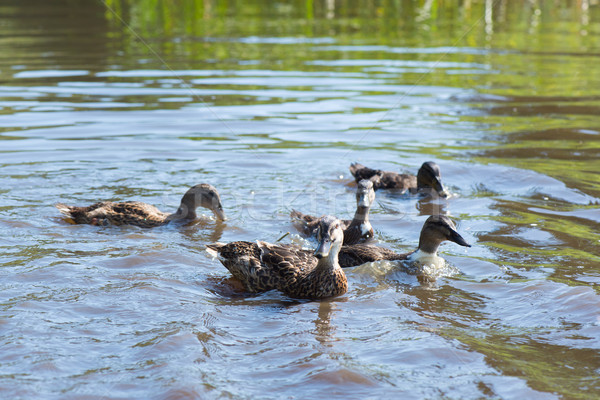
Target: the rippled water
(139, 101)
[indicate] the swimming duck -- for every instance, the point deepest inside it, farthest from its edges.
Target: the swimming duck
(297, 273)
(428, 177)
(356, 230)
(436, 229)
(146, 215)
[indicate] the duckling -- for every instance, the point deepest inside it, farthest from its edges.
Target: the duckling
(356, 230)
(296, 272)
(436, 229)
(146, 215)
(428, 177)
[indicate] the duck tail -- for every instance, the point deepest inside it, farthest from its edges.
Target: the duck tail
(355, 167)
(65, 209)
(361, 172)
(214, 248)
(81, 215)
(305, 224)
(296, 215)
(303, 219)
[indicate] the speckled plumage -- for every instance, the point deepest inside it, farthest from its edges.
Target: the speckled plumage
(111, 213)
(428, 177)
(142, 214)
(262, 266)
(356, 230)
(351, 256)
(436, 229)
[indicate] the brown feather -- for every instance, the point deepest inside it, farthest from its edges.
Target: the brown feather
(296, 272)
(351, 256)
(361, 172)
(427, 180)
(263, 266)
(142, 214)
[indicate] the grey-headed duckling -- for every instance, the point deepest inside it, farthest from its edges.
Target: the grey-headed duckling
(356, 230)
(146, 215)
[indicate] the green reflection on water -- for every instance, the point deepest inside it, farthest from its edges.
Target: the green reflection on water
(547, 367)
(381, 19)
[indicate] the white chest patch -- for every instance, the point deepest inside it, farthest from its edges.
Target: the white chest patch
(422, 258)
(429, 266)
(365, 228)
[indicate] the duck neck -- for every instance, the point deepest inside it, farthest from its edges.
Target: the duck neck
(422, 184)
(361, 215)
(183, 212)
(427, 245)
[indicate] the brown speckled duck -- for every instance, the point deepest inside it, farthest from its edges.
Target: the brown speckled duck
(427, 178)
(437, 228)
(297, 273)
(356, 230)
(146, 215)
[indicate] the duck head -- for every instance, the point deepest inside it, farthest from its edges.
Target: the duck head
(437, 229)
(331, 236)
(202, 195)
(429, 176)
(365, 194)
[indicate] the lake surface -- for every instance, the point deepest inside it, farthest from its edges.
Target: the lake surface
(140, 100)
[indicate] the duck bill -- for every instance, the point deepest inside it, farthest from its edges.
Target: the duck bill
(439, 187)
(323, 250)
(456, 238)
(219, 213)
(363, 200)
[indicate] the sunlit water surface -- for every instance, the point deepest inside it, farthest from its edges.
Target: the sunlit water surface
(271, 109)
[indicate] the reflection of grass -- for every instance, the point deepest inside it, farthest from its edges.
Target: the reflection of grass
(381, 19)
(566, 240)
(526, 353)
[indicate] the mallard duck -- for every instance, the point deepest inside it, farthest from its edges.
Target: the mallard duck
(428, 177)
(296, 272)
(437, 228)
(146, 215)
(356, 230)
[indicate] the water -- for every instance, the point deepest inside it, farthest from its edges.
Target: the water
(141, 100)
